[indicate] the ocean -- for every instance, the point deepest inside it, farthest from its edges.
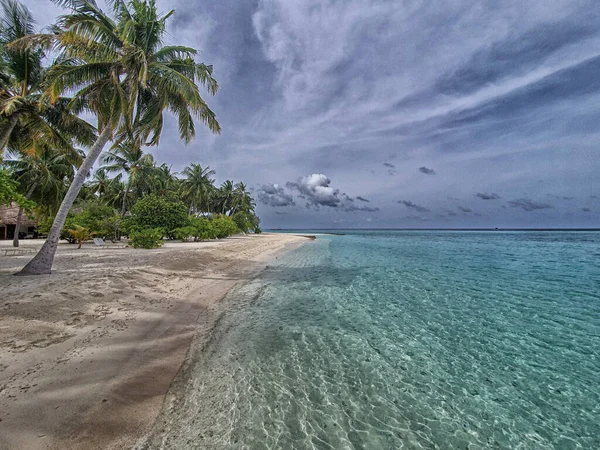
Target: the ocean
(406, 340)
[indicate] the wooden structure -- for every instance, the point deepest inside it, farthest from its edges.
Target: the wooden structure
(8, 220)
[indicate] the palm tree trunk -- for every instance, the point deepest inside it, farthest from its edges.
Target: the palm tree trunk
(123, 207)
(20, 215)
(42, 262)
(10, 126)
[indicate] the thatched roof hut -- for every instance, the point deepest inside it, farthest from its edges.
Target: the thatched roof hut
(8, 220)
(8, 216)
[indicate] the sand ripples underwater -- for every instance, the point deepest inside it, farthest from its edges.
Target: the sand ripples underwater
(405, 340)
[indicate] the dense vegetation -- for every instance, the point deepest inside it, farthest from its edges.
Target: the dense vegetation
(116, 68)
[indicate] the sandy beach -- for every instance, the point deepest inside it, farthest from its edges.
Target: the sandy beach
(88, 353)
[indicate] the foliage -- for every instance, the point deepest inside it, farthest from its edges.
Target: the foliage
(154, 211)
(99, 218)
(223, 226)
(9, 191)
(27, 119)
(80, 234)
(241, 221)
(247, 221)
(147, 238)
(197, 187)
(198, 228)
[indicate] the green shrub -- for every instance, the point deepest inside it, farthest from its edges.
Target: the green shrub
(247, 221)
(198, 228)
(241, 221)
(184, 233)
(223, 226)
(147, 238)
(203, 228)
(154, 211)
(98, 218)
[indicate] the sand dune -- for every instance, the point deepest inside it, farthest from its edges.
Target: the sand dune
(88, 353)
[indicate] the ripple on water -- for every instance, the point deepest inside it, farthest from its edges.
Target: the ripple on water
(406, 341)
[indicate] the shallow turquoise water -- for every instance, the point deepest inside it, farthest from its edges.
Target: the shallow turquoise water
(407, 340)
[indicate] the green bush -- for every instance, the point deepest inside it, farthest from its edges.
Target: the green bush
(184, 233)
(154, 211)
(223, 226)
(198, 228)
(147, 238)
(98, 218)
(203, 228)
(247, 221)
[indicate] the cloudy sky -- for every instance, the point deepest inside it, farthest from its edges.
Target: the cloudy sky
(401, 113)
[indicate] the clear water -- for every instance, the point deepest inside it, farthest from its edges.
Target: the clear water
(406, 340)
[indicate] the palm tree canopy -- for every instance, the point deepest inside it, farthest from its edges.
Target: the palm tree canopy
(24, 117)
(198, 186)
(120, 71)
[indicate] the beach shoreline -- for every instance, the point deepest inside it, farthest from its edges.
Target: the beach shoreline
(88, 353)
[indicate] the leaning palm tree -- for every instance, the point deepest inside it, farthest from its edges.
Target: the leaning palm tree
(120, 71)
(132, 161)
(25, 116)
(43, 176)
(197, 186)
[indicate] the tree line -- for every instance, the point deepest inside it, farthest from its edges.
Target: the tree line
(112, 66)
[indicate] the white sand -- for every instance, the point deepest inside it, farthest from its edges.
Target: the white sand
(88, 353)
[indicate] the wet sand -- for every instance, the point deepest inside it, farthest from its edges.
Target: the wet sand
(88, 353)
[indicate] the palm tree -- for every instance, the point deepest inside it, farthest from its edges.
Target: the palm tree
(99, 184)
(163, 180)
(122, 73)
(198, 186)
(25, 117)
(44, 176)
(132, 161)
(242, 200)
(225, 196)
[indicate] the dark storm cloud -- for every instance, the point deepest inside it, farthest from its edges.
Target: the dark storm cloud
(414, 206)
(362, 199)
(528, 205)
(426, 170)
(465, 210)
(274, 195)
(486, 196)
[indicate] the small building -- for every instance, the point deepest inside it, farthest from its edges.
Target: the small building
(8, 221)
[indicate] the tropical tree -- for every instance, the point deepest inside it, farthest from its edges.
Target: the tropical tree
(25, 116)
(80, 234)
(120, 71)
(43, 176)
(197, 187)
(132, 161)
(224, 197)
(100, 182)
(242, 200)
(163, 180)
